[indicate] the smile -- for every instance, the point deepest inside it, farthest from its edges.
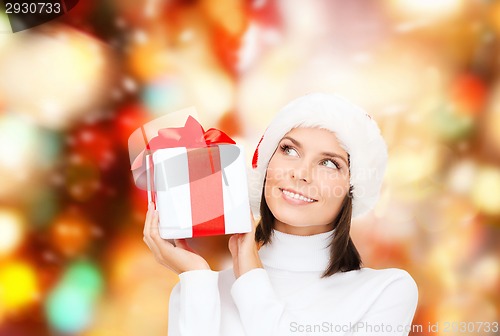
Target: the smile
(294, 196)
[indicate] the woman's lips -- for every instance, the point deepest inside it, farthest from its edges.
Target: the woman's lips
(288, 196)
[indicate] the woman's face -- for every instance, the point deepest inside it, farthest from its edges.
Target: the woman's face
(307, 180)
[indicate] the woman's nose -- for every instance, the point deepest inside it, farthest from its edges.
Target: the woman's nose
(302, 172)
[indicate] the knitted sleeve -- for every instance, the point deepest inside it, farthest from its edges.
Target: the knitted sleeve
(194, 307)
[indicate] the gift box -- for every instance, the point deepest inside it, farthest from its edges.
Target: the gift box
(197, 181)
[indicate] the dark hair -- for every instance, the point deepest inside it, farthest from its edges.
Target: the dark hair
(344, 256)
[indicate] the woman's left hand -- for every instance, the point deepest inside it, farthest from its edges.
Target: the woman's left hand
(244, 251)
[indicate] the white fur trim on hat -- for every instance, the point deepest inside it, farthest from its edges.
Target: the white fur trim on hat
(356, 131)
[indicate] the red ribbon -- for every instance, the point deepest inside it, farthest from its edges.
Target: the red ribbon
(191, 135)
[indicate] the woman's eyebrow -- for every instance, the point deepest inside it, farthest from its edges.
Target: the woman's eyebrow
(296, 143)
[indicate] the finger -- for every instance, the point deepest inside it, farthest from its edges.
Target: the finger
(149, 219)
(149, 215)
(154, 231)
(160, 245)
(254, 222)
(233, 248)
(147, 230)
(233, 245)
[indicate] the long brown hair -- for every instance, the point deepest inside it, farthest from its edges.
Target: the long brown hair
(344, 256)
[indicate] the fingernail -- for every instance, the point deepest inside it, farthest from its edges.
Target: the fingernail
(151, 206)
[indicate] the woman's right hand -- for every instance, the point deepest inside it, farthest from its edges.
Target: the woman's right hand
(179, 258)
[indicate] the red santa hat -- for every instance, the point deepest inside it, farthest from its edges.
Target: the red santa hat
(356, 131)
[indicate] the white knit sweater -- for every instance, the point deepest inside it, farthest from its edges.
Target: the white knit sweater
(288, 297)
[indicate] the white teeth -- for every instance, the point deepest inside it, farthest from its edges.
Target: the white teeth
(297, 196)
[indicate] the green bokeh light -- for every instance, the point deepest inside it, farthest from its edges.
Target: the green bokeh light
(69, 309)
(70, 306)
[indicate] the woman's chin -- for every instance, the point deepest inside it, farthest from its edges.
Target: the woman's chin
(301, 229)
(294, 221)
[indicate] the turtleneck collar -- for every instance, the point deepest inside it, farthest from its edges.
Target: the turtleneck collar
(297, 253)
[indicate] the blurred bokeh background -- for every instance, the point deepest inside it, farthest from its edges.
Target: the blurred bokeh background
(72, 259)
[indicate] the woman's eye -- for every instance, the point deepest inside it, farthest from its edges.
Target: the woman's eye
(331, 164)
(288, 150)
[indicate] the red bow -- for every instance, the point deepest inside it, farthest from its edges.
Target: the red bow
(191, 135)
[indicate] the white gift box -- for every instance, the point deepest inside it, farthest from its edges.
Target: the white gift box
(194, 203)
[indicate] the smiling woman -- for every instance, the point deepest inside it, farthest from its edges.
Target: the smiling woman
(305, 187)
(320, 163)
